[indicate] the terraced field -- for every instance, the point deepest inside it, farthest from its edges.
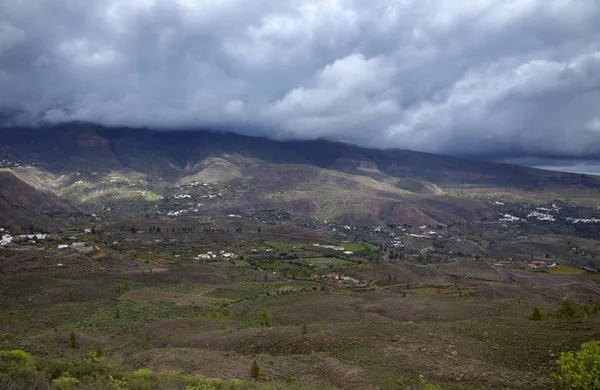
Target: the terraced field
(324, 262)
(180, 294)
(250, 290)
(472, 270)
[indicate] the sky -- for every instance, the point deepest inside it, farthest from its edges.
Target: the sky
(502, 78)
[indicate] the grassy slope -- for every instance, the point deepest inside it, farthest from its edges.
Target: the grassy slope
(372, 339)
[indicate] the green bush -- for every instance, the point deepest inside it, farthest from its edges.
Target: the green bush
(580, 370)
(255, 370)
(73, 340)
(536, 314)
(17, 370)
(144, 372)
(65, 383)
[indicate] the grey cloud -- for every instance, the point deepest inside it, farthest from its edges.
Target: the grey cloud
(478, 78)
(586, 166)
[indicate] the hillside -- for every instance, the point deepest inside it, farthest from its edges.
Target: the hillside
(96, 166)
(23, 206)
(181, 256)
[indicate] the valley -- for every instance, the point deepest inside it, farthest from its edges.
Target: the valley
(133, 259)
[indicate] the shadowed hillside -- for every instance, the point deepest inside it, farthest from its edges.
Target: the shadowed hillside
(23, 206)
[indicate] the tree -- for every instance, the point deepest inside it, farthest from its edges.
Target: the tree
(264, 319)
(117, 312)
(566, 309)
(536, 314)
(304, 329)
(73, 340)
(255, 370)
(143, 339)
(580, 370)
(70, 296)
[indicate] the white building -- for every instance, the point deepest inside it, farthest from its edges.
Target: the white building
(6, 239)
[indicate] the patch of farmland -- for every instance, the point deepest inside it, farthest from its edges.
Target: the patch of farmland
(353, 247)
(323, 262)
(169, 297)
(472, 270)
(436, 290)
(180, 294)
(566, 270)
(181, 288)
(249, 290)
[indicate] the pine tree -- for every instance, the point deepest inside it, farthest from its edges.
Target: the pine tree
(304, 329)
(117, 312)
(536, 314)
(143, 339)
(264, 319)
(70, 296)
(566, 309)
(255, 370)
(73, 340)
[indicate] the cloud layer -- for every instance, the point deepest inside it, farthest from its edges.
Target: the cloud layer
(518, 77)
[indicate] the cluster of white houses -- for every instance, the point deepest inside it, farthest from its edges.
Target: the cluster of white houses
(212, 255)
(8, 239)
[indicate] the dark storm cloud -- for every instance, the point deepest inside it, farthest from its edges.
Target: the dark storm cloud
(587, 166)
(462, 77)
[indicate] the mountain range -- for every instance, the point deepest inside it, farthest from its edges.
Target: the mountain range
(90, 167)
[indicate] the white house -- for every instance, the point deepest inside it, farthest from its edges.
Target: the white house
(6, 239)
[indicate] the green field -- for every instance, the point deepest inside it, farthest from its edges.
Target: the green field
(354, 247)
(566, 270)
(370, 246)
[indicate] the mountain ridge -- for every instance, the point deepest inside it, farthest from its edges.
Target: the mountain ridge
(92, 165)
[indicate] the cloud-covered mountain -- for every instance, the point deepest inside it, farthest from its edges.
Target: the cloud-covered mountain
(485, 77)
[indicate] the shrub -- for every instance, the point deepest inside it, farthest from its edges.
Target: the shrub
(142, 379)
(255, 370)
(536, 314)
(16, 356)
(17, 371)
(265, 319)
(65, 383)
(580, 370)
(144, 372)
(73, 340)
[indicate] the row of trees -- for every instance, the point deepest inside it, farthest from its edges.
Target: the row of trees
(568, 310)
